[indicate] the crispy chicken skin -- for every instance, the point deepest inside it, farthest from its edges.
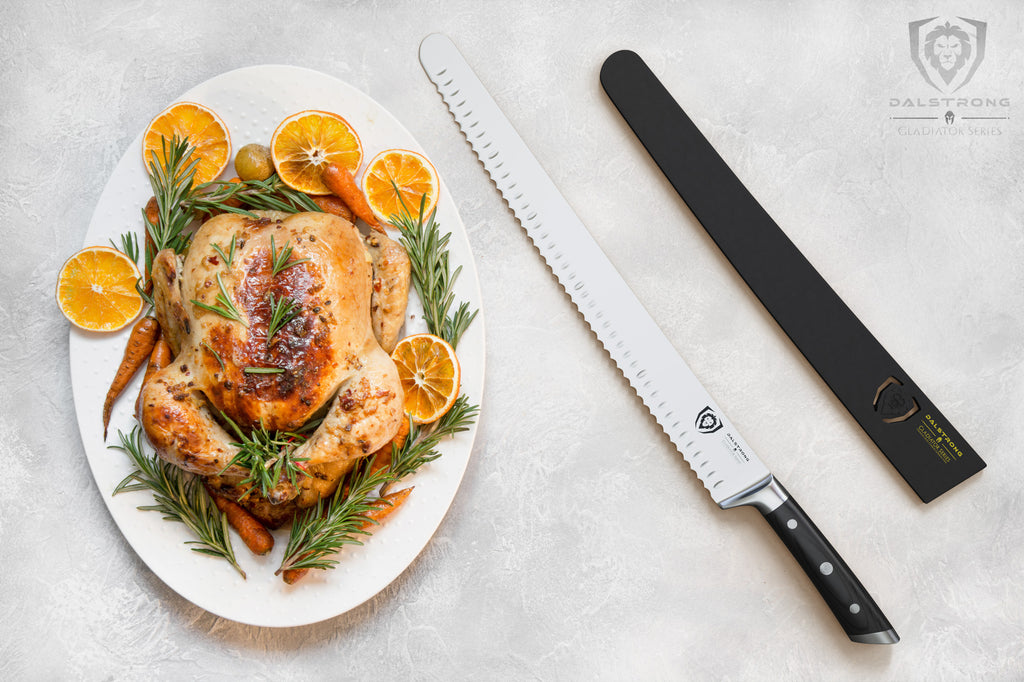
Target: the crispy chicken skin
(333, 363)
(391, 274)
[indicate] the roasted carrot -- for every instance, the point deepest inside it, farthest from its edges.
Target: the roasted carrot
(340, 181)
(158, 359)
(382, 457)
(253, 534)
(385, 506)
(403, 433)
(293, 575)
(140, 345)
(152, 211)
(153, 216)
(329, 203)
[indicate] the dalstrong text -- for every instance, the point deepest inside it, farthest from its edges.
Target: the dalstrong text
(942, 435)
(950, 102)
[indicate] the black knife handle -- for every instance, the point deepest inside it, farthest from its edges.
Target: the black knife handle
(853, 607)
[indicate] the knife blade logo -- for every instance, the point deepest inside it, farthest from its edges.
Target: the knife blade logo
(707, 421)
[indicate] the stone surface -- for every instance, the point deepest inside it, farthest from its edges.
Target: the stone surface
(580, 545)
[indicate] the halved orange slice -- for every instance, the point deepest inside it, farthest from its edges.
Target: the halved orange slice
(397, 176)
(304, 143)
(430, 375)
(205, 131)
(96, 289)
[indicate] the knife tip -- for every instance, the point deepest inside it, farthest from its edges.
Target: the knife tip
(430, 46)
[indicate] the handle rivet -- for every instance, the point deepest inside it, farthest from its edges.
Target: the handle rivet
(825, 568)
(854, 608)
(791, 524)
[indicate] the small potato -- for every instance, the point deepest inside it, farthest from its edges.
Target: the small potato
(253, 162)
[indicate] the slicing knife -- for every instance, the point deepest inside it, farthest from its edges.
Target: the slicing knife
(722, 460)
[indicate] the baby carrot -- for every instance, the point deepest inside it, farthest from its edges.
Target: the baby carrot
(383, 507)
(253, 534)
(340, 181)
(140, 345)
(152, 212)
(330, 203)
(382, 457)
(293, 575)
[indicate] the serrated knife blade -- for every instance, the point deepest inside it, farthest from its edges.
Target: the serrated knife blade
(723, 461)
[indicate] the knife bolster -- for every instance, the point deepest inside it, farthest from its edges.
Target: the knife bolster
(766, 496)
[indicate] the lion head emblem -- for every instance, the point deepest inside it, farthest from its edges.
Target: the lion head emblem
(948, 49)
(947, 52)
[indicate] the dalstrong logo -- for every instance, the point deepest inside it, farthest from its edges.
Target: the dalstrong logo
(947, 52)
(708, 421)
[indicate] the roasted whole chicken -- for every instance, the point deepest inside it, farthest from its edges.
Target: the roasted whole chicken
(347, 294)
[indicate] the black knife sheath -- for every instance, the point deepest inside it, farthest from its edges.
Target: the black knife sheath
(905, 425)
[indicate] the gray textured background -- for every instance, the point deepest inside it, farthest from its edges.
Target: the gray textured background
(579, 546)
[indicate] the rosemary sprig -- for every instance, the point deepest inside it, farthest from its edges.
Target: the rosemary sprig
(309, 427)
(129, 246)
(325, 528)
(263, 370)
(144, 294)
(228, 257)
(270, 194)
(282, 311)
(224, 306)
(215, 354)
(171, 176)
(421, 444)
(268, 455)
(279, 260)
(179, 496)
(432, 274)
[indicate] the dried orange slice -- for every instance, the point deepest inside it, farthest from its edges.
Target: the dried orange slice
(96, 289)
(430, 376)
(304, 143)
(205, 131)
(398, 176)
